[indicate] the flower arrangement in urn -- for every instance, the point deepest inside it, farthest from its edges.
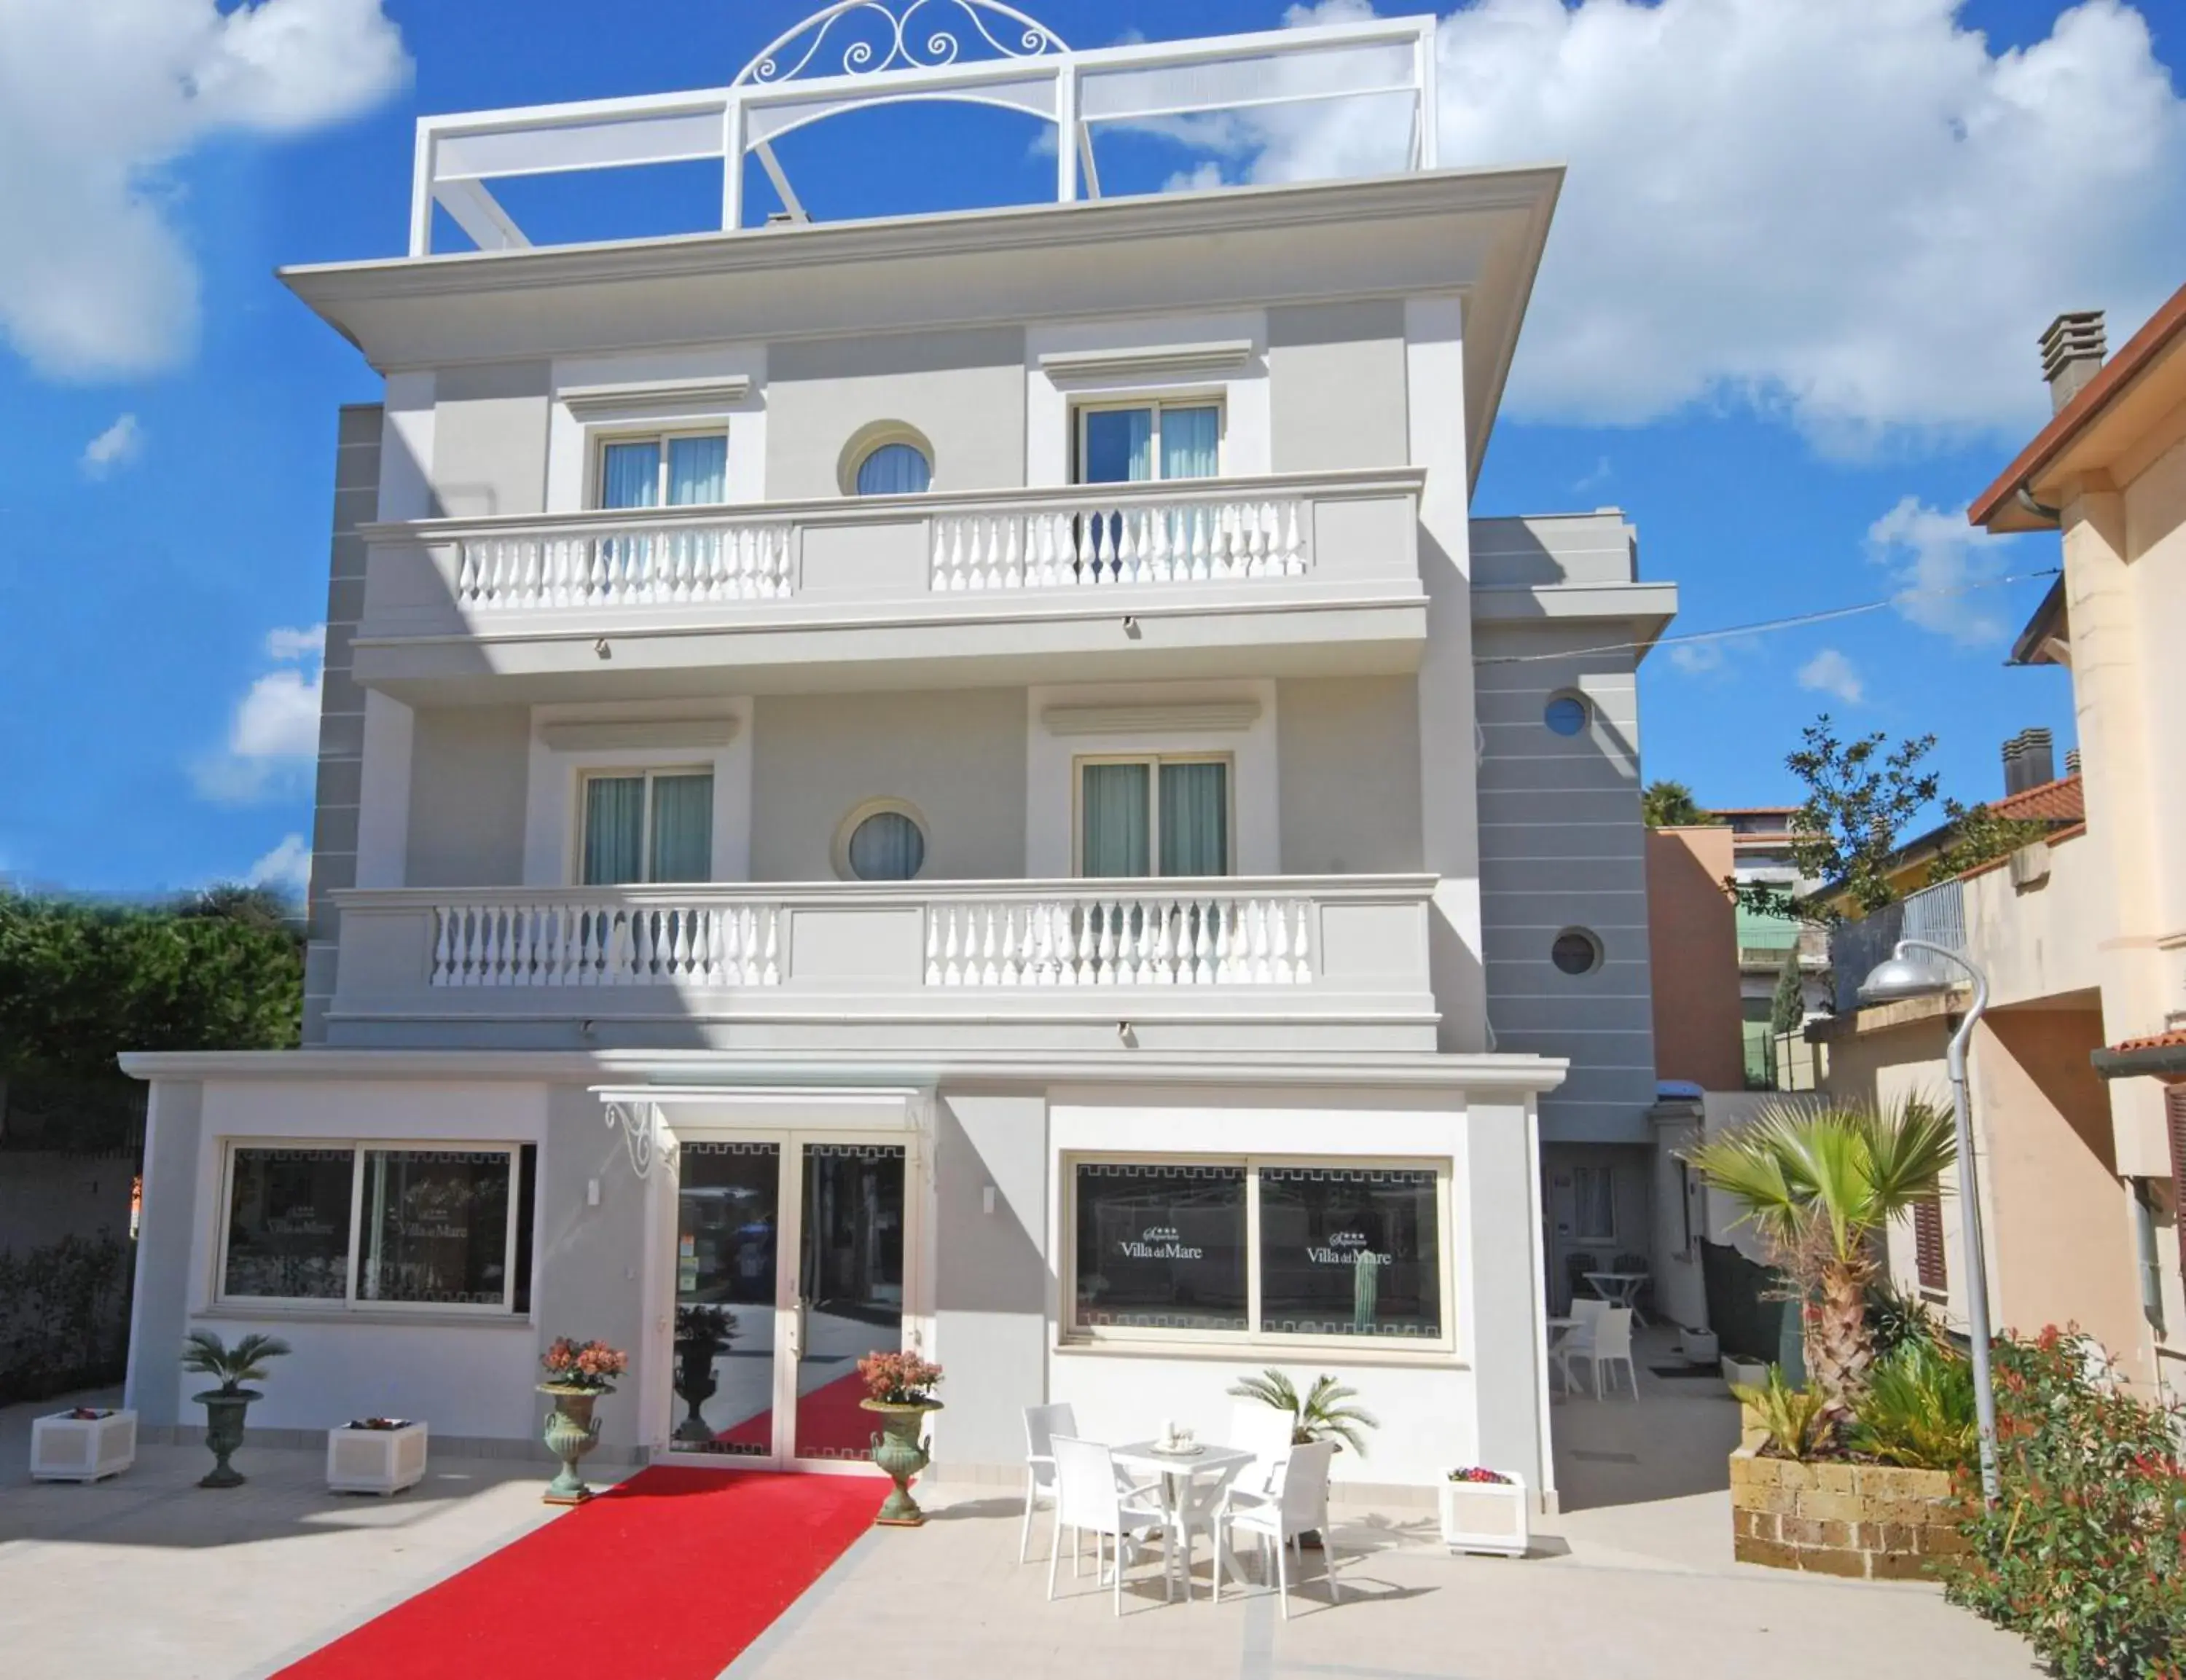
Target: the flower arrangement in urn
(900, 1386)
(577, 1373)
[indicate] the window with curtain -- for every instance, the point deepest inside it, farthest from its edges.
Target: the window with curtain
(648, 825)
(1153, 817)
(1152, 441)
(1593, 1204)
(894, 469)
(687, 470)
(886, 846)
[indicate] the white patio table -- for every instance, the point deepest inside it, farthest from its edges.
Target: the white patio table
(1620, 1289)
(1182, 1475)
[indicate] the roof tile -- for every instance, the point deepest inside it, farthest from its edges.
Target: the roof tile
(2057, 801)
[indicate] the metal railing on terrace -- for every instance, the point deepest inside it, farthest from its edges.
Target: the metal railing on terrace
(865, 54)
(1936, 913)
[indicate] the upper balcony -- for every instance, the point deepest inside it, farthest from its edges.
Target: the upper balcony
(1294, 574)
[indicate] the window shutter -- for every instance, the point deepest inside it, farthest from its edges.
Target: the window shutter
(2174, 1112)
(1928, 1244)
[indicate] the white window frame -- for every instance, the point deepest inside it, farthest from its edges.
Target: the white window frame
(1153, 761)
(350, 1300)
(596, 487)
(588, 774)
(1075, 1333)
(1216, 400)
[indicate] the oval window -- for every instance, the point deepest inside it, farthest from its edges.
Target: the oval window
(886, 846)
(1576, 951)
(894, 469)
(1567, 715)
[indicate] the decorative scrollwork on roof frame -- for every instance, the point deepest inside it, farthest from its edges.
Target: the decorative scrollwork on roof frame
(876, 37)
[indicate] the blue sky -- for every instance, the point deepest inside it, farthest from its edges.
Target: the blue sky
(1736, 340)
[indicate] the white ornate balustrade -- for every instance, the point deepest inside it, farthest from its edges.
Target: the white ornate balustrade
(1132, 538)
(597, 941)
(637, 563)
(1196, 939)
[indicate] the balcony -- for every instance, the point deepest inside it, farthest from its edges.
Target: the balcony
(1109, 580)
(1289, 961)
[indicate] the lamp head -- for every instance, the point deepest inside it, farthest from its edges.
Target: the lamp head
(1898, 978)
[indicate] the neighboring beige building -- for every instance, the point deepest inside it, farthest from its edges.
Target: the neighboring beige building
(2083, 936)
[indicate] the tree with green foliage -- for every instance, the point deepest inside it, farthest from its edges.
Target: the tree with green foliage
(1670, 804)
(1787, 1006)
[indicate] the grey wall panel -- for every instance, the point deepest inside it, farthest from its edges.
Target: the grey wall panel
(959, 757)
(490, 439)
(1505, 1289)
(1348, 767)
(1336, 386)
(992, 1296)
(964, 392)
(468, 769)
(1559, 549)
(587, 1260)
(159, 1313)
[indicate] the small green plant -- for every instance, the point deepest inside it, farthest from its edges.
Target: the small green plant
(1796, 1418)
(1325, 1414)
(1896, 1316)
(206, 1354)
(1918, 1409)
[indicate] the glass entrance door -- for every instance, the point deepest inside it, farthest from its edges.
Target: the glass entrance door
(789, 1269)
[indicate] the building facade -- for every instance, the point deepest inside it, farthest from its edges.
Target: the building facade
(958, 781)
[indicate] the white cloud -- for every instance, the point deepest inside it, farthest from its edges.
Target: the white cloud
(1696, 659)
(1828, 672)
(288, 867)
(1938, 560)
(1852, 213)
(118, 445)
(273, 738)
(98, 99)
(1199, 178)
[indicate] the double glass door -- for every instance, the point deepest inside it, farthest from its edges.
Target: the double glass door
(789, 1269)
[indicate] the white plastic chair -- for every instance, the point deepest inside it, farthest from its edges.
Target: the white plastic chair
(1579, 1342)
(1042, 1424)
(1300, 1504)
(1091, 1498)
(1265, 1433)
(1609, 1345)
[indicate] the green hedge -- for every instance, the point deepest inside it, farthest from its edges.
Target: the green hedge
(65, 1316)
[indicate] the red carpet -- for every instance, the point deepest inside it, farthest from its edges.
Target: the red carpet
(831, 1424)
(667, 1576)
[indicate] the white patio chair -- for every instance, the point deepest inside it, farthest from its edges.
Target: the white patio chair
(1265, 1433)
(1301, 1504)
(1578, 1342)
(1611, 1346)
(1090, 1497)
(1042, 1424)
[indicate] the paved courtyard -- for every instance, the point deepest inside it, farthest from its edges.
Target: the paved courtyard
(145, 1575)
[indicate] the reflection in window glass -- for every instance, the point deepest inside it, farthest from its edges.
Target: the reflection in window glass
(436, 1227)
(1160, 1247)
(727, 1205)
(1350, 1252)
(288, 1223)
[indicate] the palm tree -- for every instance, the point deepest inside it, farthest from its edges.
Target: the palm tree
(1670, 804)
(1819, 1183)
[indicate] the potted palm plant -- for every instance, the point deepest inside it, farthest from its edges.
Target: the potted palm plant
(206, 1353)
(1324, 1414)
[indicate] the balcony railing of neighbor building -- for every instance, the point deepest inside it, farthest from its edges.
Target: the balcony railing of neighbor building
(862, 53)
(1936, 914)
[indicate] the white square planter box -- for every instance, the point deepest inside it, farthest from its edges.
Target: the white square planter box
(63, 1448)
(1486, 1517)
(375, 1460)
(1744, 1373)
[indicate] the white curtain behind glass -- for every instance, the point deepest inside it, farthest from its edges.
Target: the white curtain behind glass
(886, 846)
(894, 469)
(1195, 818)
(1113, 807)
(614, 830)
(629, 475)
(697, 470)
(1119, 445)
(1191, 443)
(683, 828)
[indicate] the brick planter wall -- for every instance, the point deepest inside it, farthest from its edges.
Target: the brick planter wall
(1873, 1522)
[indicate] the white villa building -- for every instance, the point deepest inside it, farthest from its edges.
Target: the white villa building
(960, 780)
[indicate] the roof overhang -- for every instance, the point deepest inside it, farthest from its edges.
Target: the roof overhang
(1643, 610)
(2165, 1060)
(2046, 638)
(1474, 234)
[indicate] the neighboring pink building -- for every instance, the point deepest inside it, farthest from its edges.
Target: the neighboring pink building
(1692, 941)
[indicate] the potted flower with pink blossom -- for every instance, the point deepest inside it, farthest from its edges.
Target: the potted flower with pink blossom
(577, 1373)
(900, 1387)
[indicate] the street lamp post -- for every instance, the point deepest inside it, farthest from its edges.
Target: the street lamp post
(1896, 978)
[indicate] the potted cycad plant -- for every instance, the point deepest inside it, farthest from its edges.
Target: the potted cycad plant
(703, 1334)
(1325, 1414)
(206, 1353)
(900, 1387)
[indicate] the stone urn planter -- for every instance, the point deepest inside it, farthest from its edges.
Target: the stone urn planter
(572, 1432)
(237, 1367)
(1873, 1522)
(899, 1450)
(224, 1414)
(703, 1334)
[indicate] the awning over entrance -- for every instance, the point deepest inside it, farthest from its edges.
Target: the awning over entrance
(650, 1115)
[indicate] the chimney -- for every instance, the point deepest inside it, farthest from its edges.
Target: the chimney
(2072, 762)
(2072, 350)
(2029, 761)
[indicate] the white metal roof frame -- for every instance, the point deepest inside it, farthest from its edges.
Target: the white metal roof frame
(1032, 71)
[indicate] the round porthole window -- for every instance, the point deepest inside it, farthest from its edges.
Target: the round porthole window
(884, 844)
(1576, 951)
(1567, 713)
(894, 469)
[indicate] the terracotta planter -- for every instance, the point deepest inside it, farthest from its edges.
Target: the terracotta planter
(572, 1432)
(898, 1450)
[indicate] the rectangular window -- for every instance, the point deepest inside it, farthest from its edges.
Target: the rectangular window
(1120, 444)
(648, 825)
(688, 470)
(1142, 816)
(1593, 1204)
(1245, 1249)
(377, 1225)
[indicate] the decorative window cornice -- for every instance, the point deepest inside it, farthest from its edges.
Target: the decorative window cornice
(1072, 366)
(1170, 718)
(662, 399)
(611, 734)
